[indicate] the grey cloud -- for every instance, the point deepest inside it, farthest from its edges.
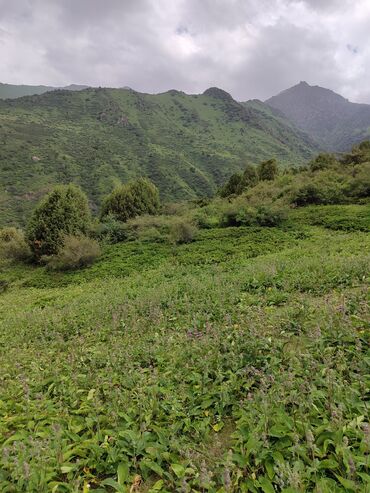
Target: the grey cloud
(251, 48)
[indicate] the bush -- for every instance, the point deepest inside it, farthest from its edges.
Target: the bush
(182, 231)
(359, 187)
(268, 170)
(13, 245)
(323, 161)
(236, 215)
(132, 199)
(76, 252)
(111, 231)
(270, 216)
(234, 186)
(64, 211)
(307, 195)
(237, 182)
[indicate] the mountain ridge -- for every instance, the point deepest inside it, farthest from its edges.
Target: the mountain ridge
(188, 145)
(14, 91)
(332, 120)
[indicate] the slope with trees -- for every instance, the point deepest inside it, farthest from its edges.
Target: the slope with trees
(186, 144)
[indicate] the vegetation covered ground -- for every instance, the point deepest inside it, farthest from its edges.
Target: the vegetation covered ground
(234, 363)
(186, 144)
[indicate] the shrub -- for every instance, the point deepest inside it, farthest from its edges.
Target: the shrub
(182, 231)
(236, 215)
(111, 231)
(132, 199)
(237, 182)
(323, 161)
(64, 211)
(307, 195)
(270, 216)
(3, 285)
(234, 186)
(76, 252)
(359, 187)
(13, 245)
(268, 170)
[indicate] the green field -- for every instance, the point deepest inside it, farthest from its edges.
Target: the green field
(236, 363)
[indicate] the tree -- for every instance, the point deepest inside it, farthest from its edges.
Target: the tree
(64, 211)
(237, 182)
(250, 177)
(268, 170)
(132, 199)
(233, 186)
(322, 161)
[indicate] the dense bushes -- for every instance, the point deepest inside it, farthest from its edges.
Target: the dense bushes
(63, 211)
(238, 215)
(257, 197)
(132, 199)
(75, 252)
(13, 245)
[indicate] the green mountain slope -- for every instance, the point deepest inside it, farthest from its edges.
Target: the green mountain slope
(188, 145)
(11, 91)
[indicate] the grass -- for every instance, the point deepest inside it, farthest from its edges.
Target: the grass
(235, 363)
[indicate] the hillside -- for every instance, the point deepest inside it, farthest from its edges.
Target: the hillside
(332, 120)
(187, 144)
(236, 363)
(12, 91)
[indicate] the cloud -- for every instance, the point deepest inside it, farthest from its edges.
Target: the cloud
(251, 48)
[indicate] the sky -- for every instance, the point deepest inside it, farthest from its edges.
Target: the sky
(250, 48)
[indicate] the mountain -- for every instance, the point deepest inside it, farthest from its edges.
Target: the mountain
(10, 91)
(332, 120)
(187, 144)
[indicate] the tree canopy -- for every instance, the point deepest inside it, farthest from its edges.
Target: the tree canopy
(132, 199)
(64, 211)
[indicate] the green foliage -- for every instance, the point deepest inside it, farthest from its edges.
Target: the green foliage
(237, 363)
(133, 199)
(307, 195)
(238, 183)
(233, 186)
(238, 214)
(182, 231)
(188, 145)
(267, 170)
(63, 211)
(323, 161)
(13, 245)
(343, 217)
(75, 253)
(110, 230)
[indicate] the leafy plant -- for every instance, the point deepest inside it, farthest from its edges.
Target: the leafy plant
(132, 199)
(64, 211)
(75, 252)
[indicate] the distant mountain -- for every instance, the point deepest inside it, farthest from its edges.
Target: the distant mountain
(10, 91)
(332, 120)
(187, 144)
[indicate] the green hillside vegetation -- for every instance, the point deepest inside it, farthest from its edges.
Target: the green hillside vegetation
(96, 138)
(219, 346)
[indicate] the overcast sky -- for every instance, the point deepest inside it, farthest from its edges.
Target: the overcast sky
(250, 48)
